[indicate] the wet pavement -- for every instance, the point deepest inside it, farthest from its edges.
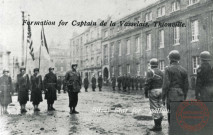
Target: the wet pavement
(105, 112)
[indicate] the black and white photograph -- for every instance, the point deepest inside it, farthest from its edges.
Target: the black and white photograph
(106, 67)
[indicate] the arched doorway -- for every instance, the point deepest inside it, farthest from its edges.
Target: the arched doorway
(106, 74)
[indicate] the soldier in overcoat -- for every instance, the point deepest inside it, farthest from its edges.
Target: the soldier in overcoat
(23, 87)
(36, 89)
(50, 86)
(93, 83)
(86, 83)
(204, 83)
(113, 80)
(119, 81)
(6, 90)
(100, 82)
(73, 83)
(175, 84)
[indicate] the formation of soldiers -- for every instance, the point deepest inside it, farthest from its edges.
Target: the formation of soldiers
(161, 88)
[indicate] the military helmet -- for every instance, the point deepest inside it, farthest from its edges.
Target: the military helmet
(205, 55)
(174, 55)
(22, 68)
(153, 62)
(74, 64)
(51, 68)
(36, 69)
(5, 70)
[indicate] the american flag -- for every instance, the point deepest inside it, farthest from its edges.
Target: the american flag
(30, 42)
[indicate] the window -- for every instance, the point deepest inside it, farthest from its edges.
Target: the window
(161, 38)
(176, 35)
(137, 44)
(120, 70)
(62, 68)
(195, 64)
(113, 70)
(175, 6)
(148, 16)
(148, 42)
(92, 61)
(92, 48)
(128, 68)
(161, 11)
(128, 47)
(195, 30)
(119, 47)
(161, 65)
(138, 69)
(111, 32)
(191, 2)
(112, 50)
(106, 34)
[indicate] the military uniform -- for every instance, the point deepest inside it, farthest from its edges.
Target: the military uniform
(113, 79)
(136, 82)
(93, 83)
(86, 83)
(59, 84)
(36, 89)
(141, 83)
(6, 90)
(119, 81)
(204, 84)
(100, 81)
(175, 86)
(50, 84)
(73, 82)
(124, 82)
(23, 86)
(132, 82)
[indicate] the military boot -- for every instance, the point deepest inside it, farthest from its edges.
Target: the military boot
(157, 126)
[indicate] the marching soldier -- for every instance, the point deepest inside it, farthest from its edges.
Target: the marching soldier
(73, 82)
(6, 90)
(36, 89)
(63, 87)
(119, 81)
(100, 81)
(204, 84)
(153, 91)
(59, 83)
(113, 79)
(86, 83)
(23, 86)
(93, 83)
(50, 85)
(175, 85)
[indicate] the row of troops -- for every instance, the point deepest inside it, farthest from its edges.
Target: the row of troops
(36, 86)
(172, 85)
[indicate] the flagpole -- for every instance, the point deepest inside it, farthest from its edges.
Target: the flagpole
(40, 57)
(22, 57)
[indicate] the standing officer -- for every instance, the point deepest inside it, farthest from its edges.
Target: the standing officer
(175, 85)
(50, 85)
(119, 81)
(100, 81)
(113, 79)
(73, 82)
(86, 83)
(23, 86)
(93, 83)
(153, 90)
(204, 84)
(36, 89)
(6, 90)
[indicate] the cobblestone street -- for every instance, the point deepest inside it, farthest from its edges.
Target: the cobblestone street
(105, 112)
